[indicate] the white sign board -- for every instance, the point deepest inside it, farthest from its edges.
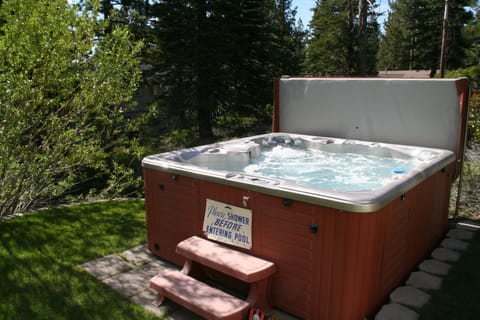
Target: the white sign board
(228, 224)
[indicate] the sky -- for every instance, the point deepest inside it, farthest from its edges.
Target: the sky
(304, 12)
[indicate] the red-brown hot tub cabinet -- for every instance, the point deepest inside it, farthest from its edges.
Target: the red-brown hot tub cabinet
(331, 263)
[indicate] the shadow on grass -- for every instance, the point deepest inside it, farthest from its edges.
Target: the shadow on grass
(40, 254)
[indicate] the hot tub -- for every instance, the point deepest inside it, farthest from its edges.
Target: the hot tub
(341, 244)
(349, 175)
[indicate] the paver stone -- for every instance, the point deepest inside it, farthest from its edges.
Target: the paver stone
(106, 266)
(460, 234)
(435, 267)
(396, 311)
(423, 280)
(409, 296)
(443, 254)
(129, 283)
(454, 244)
(138, 255)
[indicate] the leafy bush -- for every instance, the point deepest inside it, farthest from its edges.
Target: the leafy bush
(473, 74)
(474, 117)
(65, 87)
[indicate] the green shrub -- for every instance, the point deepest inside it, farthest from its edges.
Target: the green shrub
(65, 87)
(473, 75)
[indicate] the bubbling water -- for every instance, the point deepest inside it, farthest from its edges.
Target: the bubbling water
(327, 170)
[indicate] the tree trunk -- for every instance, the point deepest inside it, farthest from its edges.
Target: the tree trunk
(444, 41)
(362, 37)
(204, 119)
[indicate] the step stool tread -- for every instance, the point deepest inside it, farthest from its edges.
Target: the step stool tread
(238, 264)
(197, 296)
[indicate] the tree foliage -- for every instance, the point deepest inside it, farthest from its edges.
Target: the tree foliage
(65, 92)
(472, 35)
(414, 35)
(344, 38)
(218, 57)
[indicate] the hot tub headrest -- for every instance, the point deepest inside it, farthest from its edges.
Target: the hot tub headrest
(421, 112)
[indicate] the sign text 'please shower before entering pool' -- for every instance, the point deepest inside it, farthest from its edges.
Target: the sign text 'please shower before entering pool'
(228, 224)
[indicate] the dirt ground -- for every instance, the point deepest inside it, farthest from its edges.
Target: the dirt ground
(469, 204)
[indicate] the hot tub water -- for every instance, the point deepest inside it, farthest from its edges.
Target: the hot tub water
(327, 170)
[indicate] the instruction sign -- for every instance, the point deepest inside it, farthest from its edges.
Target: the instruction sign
(228, 224)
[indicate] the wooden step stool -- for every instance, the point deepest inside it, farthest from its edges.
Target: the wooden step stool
(209, 302)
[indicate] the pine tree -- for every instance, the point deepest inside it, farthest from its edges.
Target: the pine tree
(472, 34)
(218, 57)
(342, 39)
(330, 48)
(290, 40)
(457, 39)
(368, 37)
(414, 31)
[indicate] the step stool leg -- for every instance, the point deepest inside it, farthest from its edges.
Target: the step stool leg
(187, 266)
(159, 300)
(258, 295)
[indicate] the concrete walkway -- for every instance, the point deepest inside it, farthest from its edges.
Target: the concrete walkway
(130, 271)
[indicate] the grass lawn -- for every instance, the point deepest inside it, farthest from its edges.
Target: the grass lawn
(459, 296)
(40, 253)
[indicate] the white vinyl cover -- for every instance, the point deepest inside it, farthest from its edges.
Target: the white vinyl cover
(419, 112)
